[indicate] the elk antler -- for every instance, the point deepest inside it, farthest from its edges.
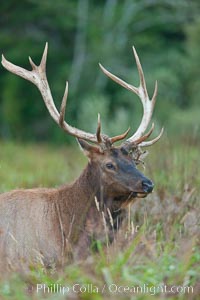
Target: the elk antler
(38, 77)
(138, 137)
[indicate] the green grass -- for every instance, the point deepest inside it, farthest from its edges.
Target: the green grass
(27, 166)
(165, 250)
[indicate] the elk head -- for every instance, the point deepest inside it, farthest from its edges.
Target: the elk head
(115, 165)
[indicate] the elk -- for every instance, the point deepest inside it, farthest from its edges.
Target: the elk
(53, 224)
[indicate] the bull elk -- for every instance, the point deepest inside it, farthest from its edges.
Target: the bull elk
(51, 224)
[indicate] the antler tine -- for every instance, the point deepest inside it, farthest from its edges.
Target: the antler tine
(141, 75)
(144, 137)
(119, 137)
(149, 143)
(153, 100)
(63, 106)
(44, 58)
(38, 77)
(119, 81)
(98, 132)
(33, 65)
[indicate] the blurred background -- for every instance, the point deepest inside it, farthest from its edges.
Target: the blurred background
(82, 33)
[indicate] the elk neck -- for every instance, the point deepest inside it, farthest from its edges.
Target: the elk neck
(78, 201)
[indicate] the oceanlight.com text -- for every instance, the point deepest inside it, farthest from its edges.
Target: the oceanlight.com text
(113, 288)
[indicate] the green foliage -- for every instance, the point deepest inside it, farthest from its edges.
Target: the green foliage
(82, 33)
(20, 164)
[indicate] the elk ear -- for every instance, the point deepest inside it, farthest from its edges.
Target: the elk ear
(87, 148)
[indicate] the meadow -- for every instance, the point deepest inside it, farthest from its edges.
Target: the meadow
(159, 245)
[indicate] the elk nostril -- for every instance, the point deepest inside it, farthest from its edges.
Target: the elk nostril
(147, 186)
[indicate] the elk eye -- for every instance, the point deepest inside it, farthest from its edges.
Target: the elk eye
(110, 166)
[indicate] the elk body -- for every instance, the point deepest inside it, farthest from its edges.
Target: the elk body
(49, 225)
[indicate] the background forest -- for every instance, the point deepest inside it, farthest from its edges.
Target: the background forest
(81, 34)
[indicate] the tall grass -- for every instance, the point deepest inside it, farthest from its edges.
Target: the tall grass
(164, 250)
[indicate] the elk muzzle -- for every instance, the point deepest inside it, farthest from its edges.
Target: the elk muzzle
(147, 186)
(143, 187)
